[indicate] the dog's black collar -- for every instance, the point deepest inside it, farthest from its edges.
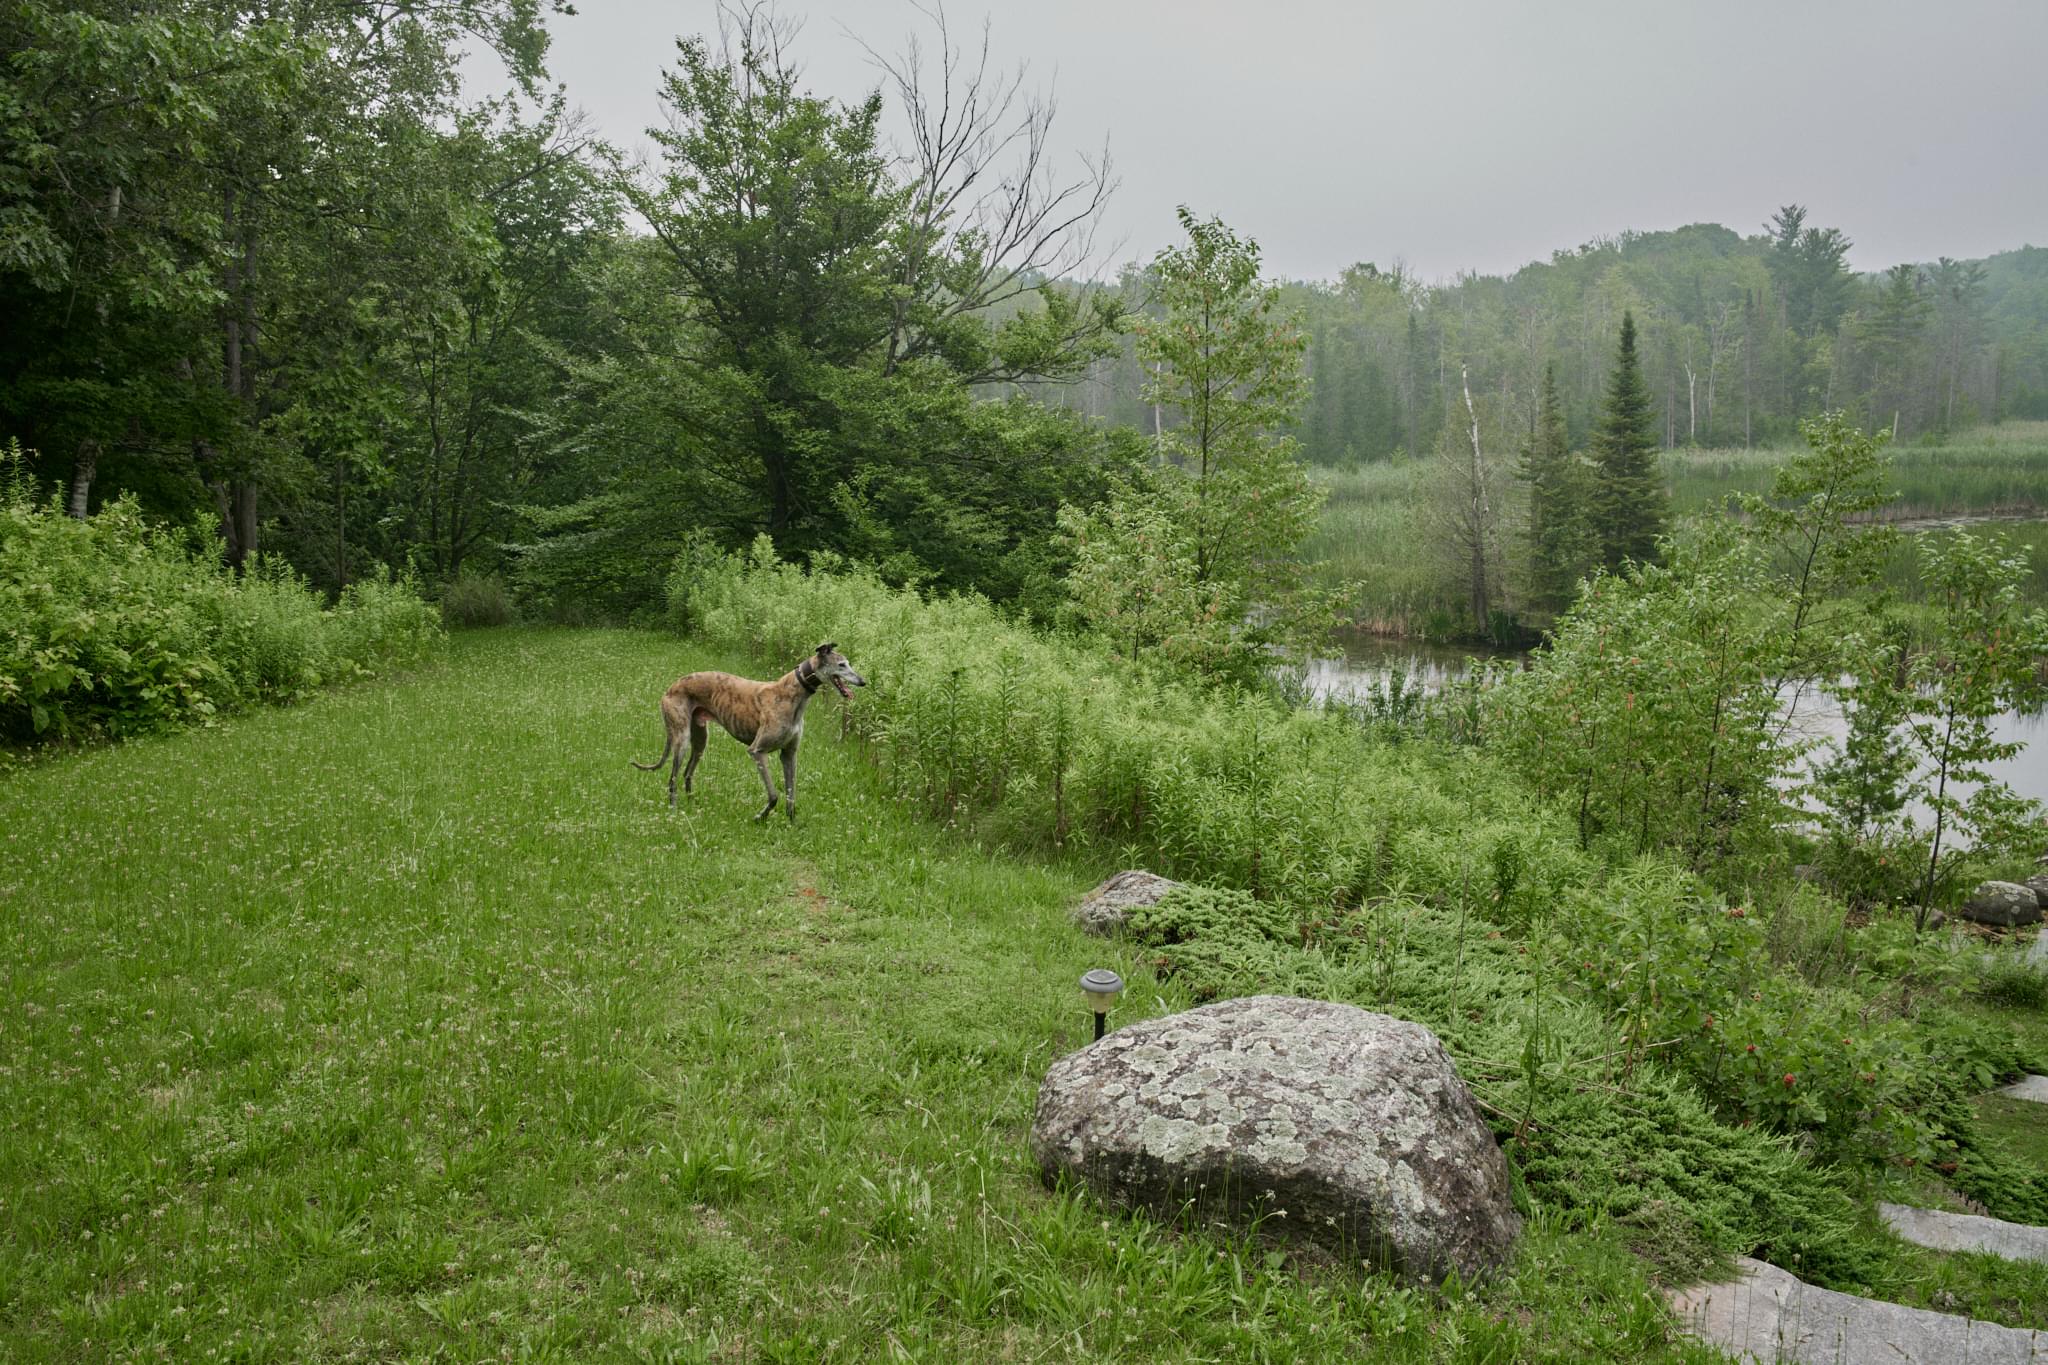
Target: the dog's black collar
(807, 674)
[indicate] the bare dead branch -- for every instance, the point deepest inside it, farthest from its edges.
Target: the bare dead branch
(985, 193)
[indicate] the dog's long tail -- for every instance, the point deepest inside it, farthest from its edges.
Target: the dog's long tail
(668, 745)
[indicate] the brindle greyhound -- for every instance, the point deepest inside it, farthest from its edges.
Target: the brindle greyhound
(764, 716)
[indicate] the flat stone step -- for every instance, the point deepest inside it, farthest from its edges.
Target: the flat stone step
(1767, 1315)
(2033, 1088)
(1967, 1232)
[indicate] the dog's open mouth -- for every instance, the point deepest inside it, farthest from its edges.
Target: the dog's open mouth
(840, 683)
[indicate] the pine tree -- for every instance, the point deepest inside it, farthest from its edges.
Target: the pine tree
(1557, 511)
(1629, 505)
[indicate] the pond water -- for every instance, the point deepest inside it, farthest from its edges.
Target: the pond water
(1371, 664)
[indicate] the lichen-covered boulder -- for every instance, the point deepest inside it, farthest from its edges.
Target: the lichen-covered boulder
(2002, 903)
(1107, 908)
(1316, 1120)
(2038, 884)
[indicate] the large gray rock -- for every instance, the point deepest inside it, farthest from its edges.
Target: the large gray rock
(1769, 1315)
(1967, 1232)
(2038, 884)
(2002, 903)
(1316, 1120)
(1107, 908)
(2037, 956)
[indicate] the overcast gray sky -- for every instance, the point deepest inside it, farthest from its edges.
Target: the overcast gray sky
(1476, 135)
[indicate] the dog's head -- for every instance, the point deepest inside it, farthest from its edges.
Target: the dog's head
(835, 668)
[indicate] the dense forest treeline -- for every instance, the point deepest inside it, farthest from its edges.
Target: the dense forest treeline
(1742, 337)
(270, 267)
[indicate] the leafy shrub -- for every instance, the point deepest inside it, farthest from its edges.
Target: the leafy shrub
(268, 632)
(599, 558)
(111, 626)
(473, 600)
(2015, 983)
(693, 581)
(1651, 714)
(382, 623)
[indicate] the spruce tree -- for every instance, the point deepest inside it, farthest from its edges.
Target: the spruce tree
(1556, 504)
(1629, 505)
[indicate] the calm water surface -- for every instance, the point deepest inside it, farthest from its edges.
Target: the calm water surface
(1371, 662)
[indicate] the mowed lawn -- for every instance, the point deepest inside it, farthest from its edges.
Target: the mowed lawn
(411, 1023)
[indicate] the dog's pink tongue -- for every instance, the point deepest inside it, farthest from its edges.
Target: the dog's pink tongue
(838, 683)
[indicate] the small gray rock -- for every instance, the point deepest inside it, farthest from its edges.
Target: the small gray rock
(1316, 1120)
(1945, 1231)
(2038, 884)
(1770, 1315)
(1107, 908)
(2037, 956)
(2002, 903)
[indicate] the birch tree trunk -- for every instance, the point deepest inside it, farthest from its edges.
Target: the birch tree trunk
(82, 473)
(1478, 512)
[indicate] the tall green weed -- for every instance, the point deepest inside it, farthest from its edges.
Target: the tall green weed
(1046, 742)
(109, 625)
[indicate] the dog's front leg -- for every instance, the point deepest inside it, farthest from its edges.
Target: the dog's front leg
(789, 780)
(767, 782)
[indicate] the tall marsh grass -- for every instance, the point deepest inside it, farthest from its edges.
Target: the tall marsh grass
(1988, 471)
(1376, 529)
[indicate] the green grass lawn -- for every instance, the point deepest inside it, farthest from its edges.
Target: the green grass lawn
(412, 1023)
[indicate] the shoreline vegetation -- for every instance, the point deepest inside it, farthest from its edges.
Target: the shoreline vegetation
(1373, 515)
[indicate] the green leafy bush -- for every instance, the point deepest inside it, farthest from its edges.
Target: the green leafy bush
(111, 626)
(382, 623)
(694, 578)
(473, 600)
(2015, 983)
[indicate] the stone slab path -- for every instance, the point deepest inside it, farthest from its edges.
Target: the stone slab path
(1769, 1315)
(1967, 1232)
(2028, 1088)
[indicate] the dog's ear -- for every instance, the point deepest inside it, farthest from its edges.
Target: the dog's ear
(826, 649)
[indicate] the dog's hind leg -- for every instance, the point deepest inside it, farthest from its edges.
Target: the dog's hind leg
(699, 733)
(789, 780)
(761, 766)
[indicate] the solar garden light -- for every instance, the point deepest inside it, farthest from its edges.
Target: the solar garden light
(1101, 986)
